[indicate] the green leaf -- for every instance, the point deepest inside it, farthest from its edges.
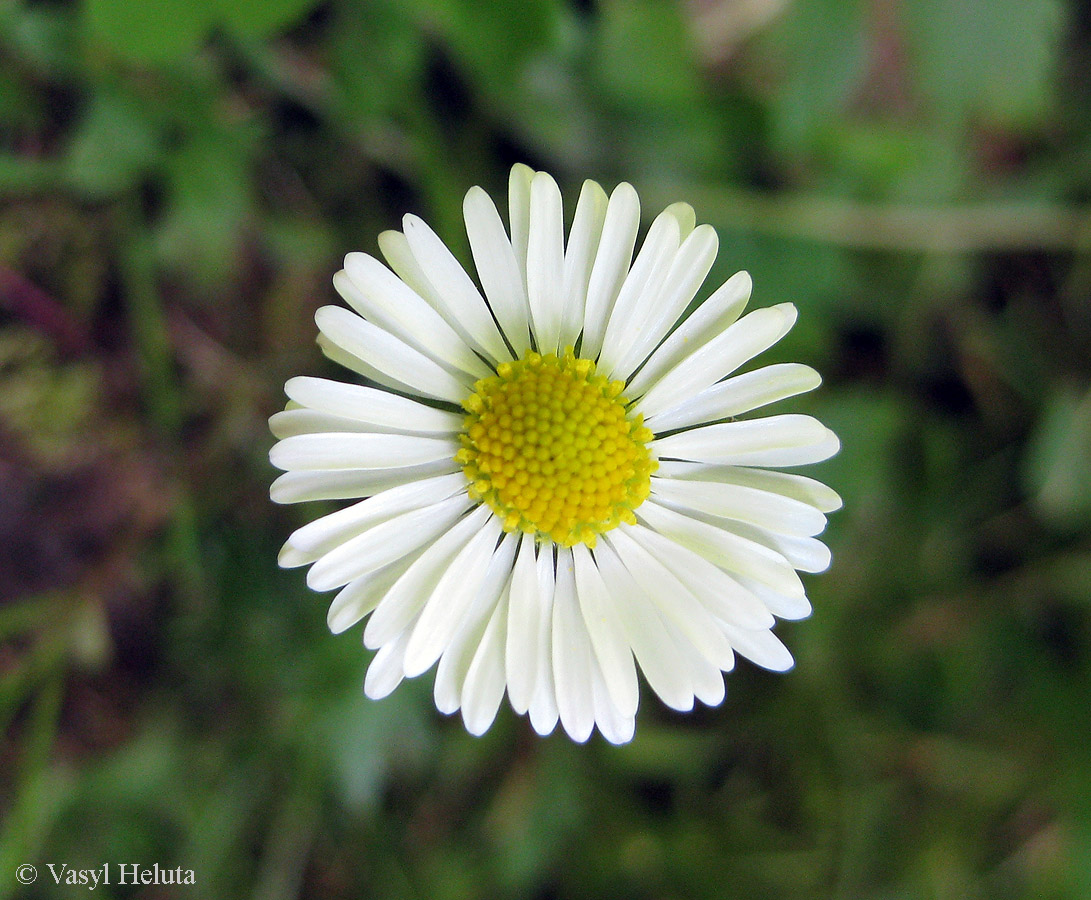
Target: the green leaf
(821, 48)
(210, 198)
(158, 31)
(375, 61)
(263, 17)
(44, 37)
(115, 145)
(645, 55)
(150, 31)
(493, 38)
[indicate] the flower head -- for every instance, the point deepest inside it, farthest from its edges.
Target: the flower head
(556, 488)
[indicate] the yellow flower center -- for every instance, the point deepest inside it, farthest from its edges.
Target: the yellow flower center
(553, 449)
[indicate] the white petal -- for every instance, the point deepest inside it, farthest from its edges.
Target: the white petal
(405, 599)
(711, 318)
(685, 216)
(579, 256)
(292, 421)
(379, 295)
(738, 395)
(745, 504)
(725, 549)
(484, 686)
(397, 362)
(524, 616)
(323, 534)
(399, 256)
(571, 655)
(658, 655)
(519, 213)
(830, 446)
(455, 662)
(295, 421)
(708, 683)
(614, 725)
(674, 603)
(452, 597)
(370, 406)
(705, 675)
(642, 287)
(780, 605)
(662, 308)
(786, 440)
(615, 657)
(706, 365)
(543, 706)
(361, 595)
(725, 596)
(761, 647)
(348, 484)
(804, 553)
(357, 365)
(788, 484)
(497, 268)
(459, 301)
(615, 252)
(384, 543)
(385, 672)
(545, 262)
(310, 452)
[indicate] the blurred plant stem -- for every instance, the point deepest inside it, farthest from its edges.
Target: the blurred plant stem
(44, 661)
(416, 151)
(291, 836)
(27, 818)
(161, 391)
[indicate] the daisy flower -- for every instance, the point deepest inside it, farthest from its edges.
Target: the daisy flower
(554, 488)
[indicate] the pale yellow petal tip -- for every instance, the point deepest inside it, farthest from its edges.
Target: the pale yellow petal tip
(326, 316)
(290, 557)
(278, 427)
(476, 198)
(293, 384)
(520, 173)
(338, 622)
(411, 222)
(591, 186)
(812, 377)
(684, 215)
(544, 181)
(834, 441)
(790, 313)
(390, 242)
(278, 493)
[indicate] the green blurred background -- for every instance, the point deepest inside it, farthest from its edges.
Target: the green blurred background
(179, 181)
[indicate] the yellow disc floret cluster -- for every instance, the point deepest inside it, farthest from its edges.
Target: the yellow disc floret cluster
(551, 447)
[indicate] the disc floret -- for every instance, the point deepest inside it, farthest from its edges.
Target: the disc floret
(554, 448)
